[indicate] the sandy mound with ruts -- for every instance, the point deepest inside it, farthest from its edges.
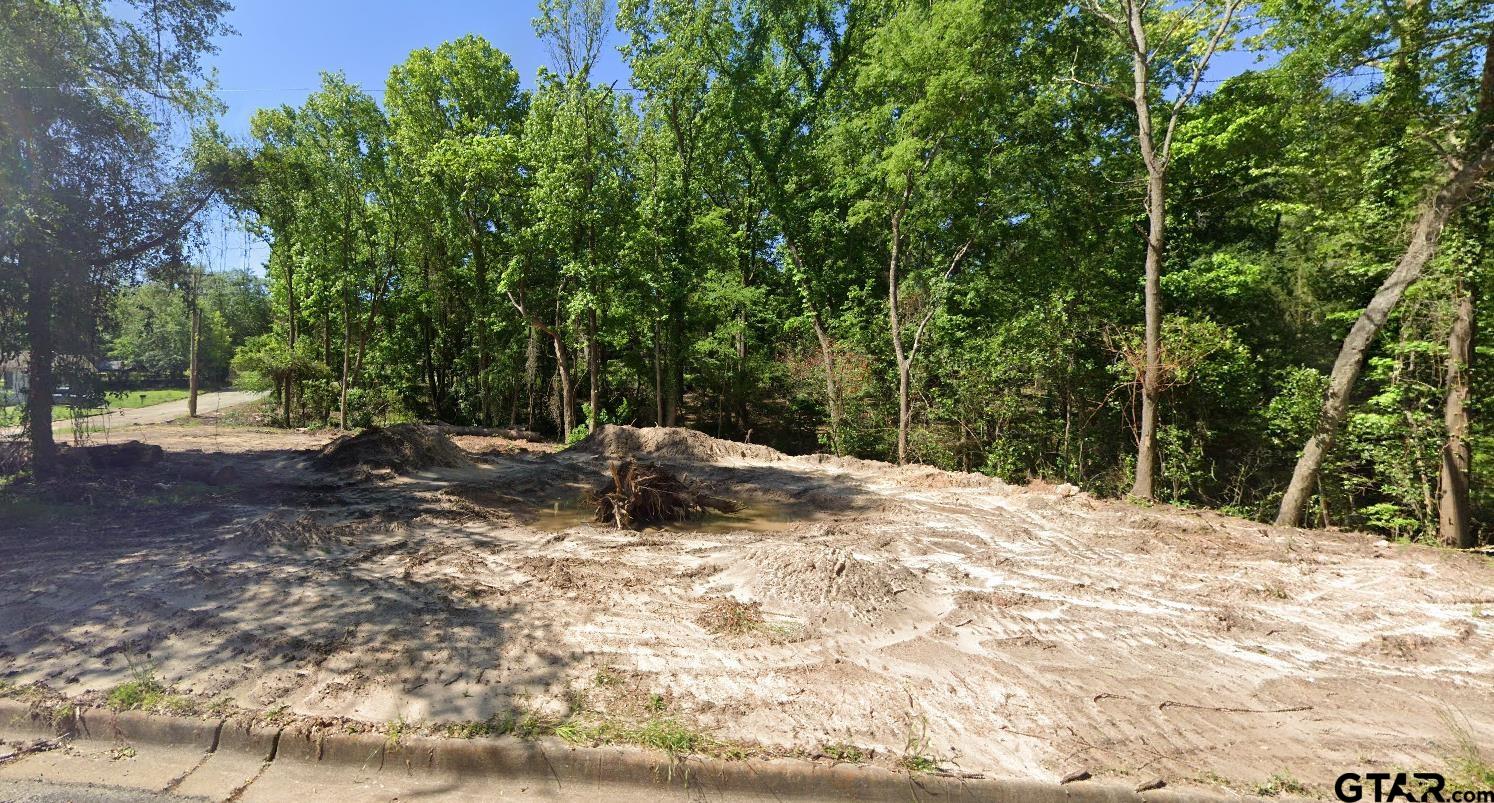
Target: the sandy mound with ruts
(668, 443)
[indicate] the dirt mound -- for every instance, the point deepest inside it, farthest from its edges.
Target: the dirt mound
(111, 455)
(400, 448)
(825, 578)
(668, 443)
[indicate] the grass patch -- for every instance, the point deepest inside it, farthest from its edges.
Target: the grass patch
(142, 691)
(916, 756)
(917, 762)
(10, 415)
(493, 726)
(726, 616)
(847, 753)
(661, 733)
(1468, 767)
(63, 713)
(394, 730)
(1282, 783)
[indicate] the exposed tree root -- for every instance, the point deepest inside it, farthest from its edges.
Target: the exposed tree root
(641, 495)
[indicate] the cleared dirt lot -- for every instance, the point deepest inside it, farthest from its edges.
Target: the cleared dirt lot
(906, 613)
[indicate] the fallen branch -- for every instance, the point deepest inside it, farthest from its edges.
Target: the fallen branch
(38, 746)
(1174, 704)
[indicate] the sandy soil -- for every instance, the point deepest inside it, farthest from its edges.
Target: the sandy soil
(998, 630)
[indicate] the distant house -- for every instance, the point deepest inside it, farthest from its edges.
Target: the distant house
(13, 379)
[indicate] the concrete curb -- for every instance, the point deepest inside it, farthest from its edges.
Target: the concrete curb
(552, 761)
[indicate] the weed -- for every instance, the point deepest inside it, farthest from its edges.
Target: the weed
(532, 726)
(141, 691)
(121, 753)
(1276, 590)
(918, 763)
(656, 703)
(1212, 778)
(475, 730)
(915, 756)
(726, 616)
(848, 753)
(276, 715)
(575, 699)
(1467, 765)
(785, 633)
(393, 731)
(669, 736)
(606, 678)
(1282, 783)
(63, 713)
(177, 704)
(661, 733)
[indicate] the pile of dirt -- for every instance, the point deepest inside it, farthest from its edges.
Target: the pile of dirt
(111, 455)
(400, 448)
(511, 433)
(668, 443)
(825, 578)
(641, 495)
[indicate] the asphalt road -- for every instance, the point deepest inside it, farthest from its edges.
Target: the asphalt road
(43, 792)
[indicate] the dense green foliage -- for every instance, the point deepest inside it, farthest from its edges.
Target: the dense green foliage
(94, 96)
(801, 204)
(150, 329)
(900, 229)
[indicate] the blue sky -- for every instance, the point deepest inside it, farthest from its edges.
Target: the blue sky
(283, 46)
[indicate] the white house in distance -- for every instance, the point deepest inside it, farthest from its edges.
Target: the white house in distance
(13, 379)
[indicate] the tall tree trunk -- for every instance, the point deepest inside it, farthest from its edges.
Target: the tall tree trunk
(832, 384)
(39, 363)
(290, 292)
(194, 360)
(658, 380)
(1156, 211)
(480, 267)
(347, 353)
(1146, 447)
(896, 330)
(1454, 525)
(593, 369)
(674, 365)
(827, 348)
(567, 388)
(1451, 195)
(285, 401)
(531, 375)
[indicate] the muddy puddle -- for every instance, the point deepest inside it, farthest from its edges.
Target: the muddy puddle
(759, 516)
